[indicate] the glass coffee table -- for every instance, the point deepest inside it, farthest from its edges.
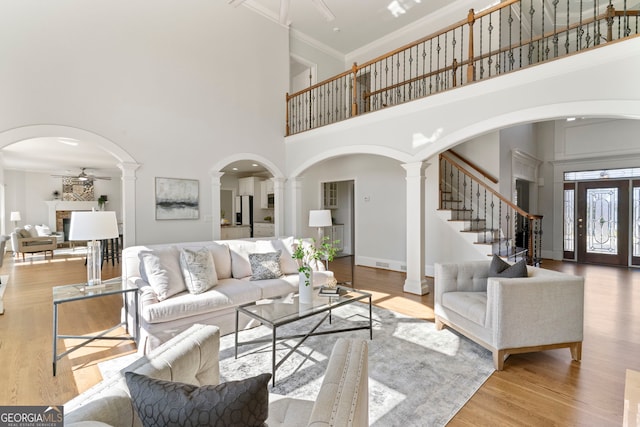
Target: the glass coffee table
(285, 309)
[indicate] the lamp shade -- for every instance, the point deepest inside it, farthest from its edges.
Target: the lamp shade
(320, 218)
(15, 216)
(93, 225)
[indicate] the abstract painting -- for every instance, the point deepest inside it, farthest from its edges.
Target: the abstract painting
(177, 198)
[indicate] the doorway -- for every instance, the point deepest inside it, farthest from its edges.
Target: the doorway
(603, 222)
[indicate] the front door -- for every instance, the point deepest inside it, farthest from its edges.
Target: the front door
(603, 222)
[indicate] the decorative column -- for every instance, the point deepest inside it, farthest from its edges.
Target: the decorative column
(128, 203)
(278, 208)
(415, 282)
(295, 206)
(215, 204)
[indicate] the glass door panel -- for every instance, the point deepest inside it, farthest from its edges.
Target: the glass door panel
(603, 222)
(635, 223)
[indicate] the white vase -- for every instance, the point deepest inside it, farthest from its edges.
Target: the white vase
(305, 293)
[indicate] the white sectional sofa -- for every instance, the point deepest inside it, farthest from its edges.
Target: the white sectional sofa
(166, 311)
(192, 357)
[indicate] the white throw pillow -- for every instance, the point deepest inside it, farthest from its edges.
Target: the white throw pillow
(160, 268)
(198, 270)
(32, 230)
(43, 230)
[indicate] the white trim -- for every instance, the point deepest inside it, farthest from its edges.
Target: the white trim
(317, 44)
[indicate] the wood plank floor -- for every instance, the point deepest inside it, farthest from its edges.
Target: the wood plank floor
(537, 389)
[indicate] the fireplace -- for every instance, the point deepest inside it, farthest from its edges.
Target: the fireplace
(60, 213)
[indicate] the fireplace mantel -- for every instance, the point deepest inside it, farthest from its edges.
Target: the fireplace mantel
(63, 205)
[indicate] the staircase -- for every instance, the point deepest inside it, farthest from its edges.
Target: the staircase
(486, 218)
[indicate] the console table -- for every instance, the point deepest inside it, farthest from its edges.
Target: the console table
(78, 292)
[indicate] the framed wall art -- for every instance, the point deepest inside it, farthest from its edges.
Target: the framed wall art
(177, 198)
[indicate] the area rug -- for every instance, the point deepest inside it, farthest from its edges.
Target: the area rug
(417, 376)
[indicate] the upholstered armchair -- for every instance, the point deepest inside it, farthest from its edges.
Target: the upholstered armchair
(542, 311)
(23, 242)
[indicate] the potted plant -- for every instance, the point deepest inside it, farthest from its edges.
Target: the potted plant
(311, 253)
(101, 201)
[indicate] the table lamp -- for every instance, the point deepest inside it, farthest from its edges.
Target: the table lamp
(15, 217)
(320, 219)
(93, 227)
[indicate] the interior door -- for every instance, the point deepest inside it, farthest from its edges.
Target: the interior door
(603, 222)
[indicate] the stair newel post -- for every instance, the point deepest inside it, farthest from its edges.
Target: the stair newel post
(471, 74)
(354, 104)
(611, 13)
(287, 131)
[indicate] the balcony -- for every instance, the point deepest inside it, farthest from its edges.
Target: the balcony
(510, 36)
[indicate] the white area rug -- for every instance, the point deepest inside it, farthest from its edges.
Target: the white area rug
(417, 376)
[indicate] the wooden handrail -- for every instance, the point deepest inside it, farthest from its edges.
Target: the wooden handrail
(464, 26)
(482, 172)
(491, 190)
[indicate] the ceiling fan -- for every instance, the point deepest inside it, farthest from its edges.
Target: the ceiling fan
(83, 176)
(284, 9)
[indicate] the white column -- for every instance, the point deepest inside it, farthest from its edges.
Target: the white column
(215, 204)
(278, 208)
(294, 207)
(415, 282)
(128, 203)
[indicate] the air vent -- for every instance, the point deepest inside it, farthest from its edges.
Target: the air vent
(382, 264)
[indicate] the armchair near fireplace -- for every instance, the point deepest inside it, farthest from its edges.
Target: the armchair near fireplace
(24, 241)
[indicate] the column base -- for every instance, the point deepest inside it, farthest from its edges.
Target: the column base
(418, 287)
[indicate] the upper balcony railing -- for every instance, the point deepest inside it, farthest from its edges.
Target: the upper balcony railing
(509, 36)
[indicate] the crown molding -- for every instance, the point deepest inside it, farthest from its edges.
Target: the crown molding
(316, 44)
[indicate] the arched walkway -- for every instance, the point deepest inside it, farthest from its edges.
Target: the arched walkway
(123, 160)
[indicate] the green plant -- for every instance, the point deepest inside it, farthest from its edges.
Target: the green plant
(102, 200)
(309, 253)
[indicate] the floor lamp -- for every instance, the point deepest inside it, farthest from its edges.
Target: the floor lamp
(93, 226)
(320, 219)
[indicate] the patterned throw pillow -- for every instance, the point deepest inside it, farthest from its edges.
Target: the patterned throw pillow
(242, 403)
(265, 266)
(198, 270)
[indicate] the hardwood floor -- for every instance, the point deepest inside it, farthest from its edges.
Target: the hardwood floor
(538, 389)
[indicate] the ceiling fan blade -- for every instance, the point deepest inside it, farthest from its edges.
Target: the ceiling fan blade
(324, 10)
(284, 11)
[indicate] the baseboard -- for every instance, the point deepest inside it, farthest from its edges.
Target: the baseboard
(393, 265)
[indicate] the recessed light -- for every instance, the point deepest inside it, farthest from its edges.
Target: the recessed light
(235, 169)
(255, 165)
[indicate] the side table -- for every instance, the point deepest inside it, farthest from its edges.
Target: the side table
(78, 292)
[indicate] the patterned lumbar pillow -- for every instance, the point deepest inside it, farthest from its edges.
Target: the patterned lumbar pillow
(198, 270)
(234, 403)
(265, 266)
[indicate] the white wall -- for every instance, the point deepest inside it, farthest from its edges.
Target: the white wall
(178, 85)
(380, 204)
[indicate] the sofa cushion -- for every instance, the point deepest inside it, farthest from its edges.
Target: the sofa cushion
(160, 268)
(221, 259)
(22, 233)
(470, 305)
(240, 250)
(166, 403)
(227, 293)
(198, 270)
(265, 266)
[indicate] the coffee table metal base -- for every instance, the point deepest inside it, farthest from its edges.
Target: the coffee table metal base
(303, 337)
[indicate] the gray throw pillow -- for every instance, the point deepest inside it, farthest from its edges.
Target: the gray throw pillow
(265, 266)
(242, 403)
(501, 268)
(198, 270)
